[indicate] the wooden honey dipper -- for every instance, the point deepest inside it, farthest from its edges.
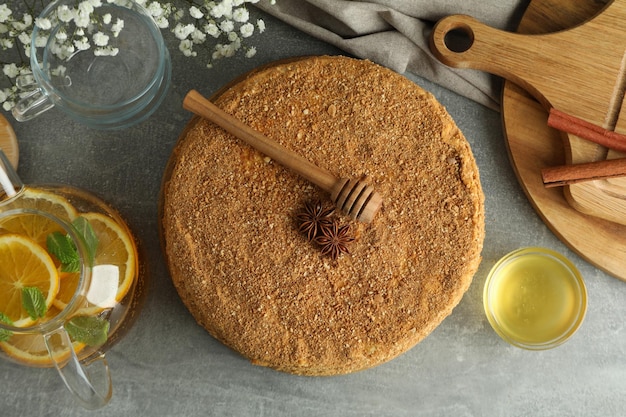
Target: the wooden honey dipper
(353, 197)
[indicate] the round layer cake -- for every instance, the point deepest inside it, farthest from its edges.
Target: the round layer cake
(237, 253)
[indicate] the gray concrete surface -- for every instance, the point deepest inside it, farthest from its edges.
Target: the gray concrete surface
(169, 366)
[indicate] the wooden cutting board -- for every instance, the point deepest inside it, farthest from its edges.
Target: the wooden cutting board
(8, 141)
(580, 70)
(533, 146)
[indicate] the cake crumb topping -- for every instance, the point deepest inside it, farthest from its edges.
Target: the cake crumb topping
(247, 273)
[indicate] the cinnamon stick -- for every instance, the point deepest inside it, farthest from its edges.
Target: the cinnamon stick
(590, 171)
(586, 130)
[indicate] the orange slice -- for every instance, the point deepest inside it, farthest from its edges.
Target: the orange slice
(48, 201)
(24, 263)
(116, 249)
(67, 288)
(35, 226)
(30, 348)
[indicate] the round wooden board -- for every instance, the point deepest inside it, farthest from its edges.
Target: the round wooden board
(8, 141)
(533, 146)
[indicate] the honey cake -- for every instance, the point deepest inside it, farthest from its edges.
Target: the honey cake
(253, 280)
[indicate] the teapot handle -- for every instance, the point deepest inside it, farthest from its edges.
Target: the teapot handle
(89, 382)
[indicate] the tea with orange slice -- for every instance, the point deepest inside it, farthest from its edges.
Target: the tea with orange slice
(71, 282)
(64, 254)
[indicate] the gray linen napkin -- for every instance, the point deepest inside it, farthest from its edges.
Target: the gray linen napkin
(395, 33)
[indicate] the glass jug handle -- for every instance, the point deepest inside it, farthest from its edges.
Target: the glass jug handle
(10, 183)
(89, 382)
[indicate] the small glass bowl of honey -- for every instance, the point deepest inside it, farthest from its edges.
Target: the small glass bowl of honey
(535, 298)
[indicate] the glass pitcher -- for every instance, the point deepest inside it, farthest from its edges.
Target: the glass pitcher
(70, 282)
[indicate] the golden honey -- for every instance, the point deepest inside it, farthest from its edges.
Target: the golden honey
(535, 298)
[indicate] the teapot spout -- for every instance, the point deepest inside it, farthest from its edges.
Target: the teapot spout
(10, 182)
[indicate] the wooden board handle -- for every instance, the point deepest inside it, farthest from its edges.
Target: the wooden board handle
(509, 55)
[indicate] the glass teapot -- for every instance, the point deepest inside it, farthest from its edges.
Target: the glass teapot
(70, 282)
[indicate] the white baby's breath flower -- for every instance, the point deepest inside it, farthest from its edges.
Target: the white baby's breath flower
(24, 24)
(41, 41)
(100, 39)
(117, 27)
(183, 31)
(63, 51)
(106, 18)
(155, 9)
(260, 23)
(195, 12)
(65, 14)
(59, 71)
(5, 13)
(28, 19)
(85, 7)
(251, 52)
(226, 51)
(231, 49)
(227, 26)
(211, 29)
(82, 19)
(178, 15)
(6, 44)
(198, 36)
(216, 55)
(10, 70)
(223, 9)
(61, 35)
(82, 44)
(247, 30)
(106, 51)
(186, 47)
(43, 23)
(241, 15)
(162, 22)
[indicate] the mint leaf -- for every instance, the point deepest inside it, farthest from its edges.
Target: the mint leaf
(5, 319)
(84, 229)
(5, 334)
(91, 330)
(33, 302)
(63, 248)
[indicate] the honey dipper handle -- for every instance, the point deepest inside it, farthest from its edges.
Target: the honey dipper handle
(197, 104)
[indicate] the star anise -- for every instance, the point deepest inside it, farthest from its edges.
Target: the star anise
(334, 239)
(314, 218)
